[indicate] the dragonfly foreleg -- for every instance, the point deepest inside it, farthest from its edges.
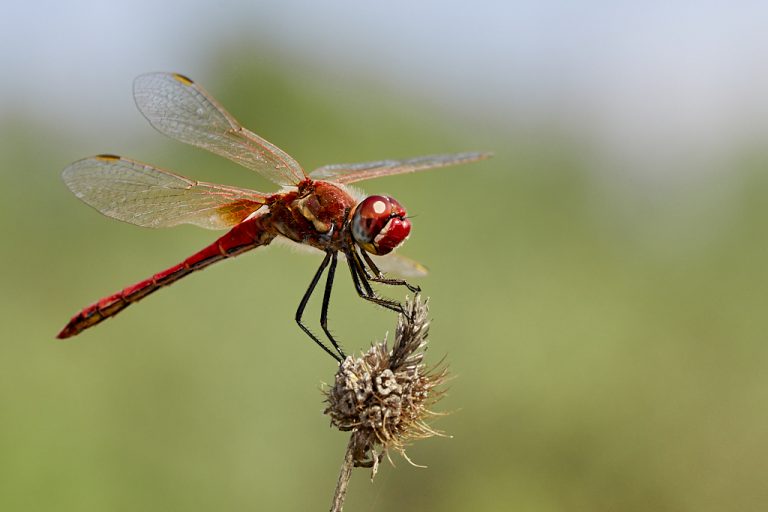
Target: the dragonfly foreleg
(303, 305)
(360, 273)
(360, 278)
(378, 276)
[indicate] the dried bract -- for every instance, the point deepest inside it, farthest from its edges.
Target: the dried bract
(384, 395)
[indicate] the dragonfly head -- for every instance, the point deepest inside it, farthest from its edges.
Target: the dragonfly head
(379, 224)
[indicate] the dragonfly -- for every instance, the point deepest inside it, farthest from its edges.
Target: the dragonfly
(316, 210)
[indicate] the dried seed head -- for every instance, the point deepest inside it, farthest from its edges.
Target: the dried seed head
(384, 396)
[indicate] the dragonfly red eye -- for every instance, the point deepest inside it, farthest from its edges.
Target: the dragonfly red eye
(379, 224)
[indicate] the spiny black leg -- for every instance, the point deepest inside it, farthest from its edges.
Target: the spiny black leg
(303, 304)
(365, 277)
(397, 282)
(361, 272)
(355, 279)
(379, 276)
(368, 294)
(326, 302)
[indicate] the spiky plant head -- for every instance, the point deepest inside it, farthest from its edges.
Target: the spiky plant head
(384, 396)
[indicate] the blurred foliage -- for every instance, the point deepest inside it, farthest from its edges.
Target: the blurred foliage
(608, 341)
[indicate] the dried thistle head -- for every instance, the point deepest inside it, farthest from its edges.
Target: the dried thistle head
(384, 396)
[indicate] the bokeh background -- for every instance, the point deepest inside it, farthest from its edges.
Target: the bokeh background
(599, 287)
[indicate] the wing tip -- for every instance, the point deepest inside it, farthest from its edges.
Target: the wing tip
(106, 157)
(472, 156)
(139, 81)
(182, 78)
(421, 271)
(70, 171)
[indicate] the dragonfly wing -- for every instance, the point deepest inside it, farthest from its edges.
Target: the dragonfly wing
(178, 107)
(400, 265)
(349, 173)
(140, 194)
(395, 264)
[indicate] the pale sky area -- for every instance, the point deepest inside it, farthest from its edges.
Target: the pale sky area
(672, 85)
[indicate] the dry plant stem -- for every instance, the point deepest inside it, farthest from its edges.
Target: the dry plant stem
(344, 475)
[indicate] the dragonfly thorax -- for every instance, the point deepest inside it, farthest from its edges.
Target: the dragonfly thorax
(379, 224)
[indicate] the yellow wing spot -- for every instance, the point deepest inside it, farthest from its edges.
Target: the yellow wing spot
(182, 79)
(107, 158)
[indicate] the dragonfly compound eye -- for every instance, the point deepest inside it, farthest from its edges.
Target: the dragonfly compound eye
(379, 224)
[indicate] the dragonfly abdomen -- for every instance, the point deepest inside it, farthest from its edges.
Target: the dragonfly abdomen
(243, 237)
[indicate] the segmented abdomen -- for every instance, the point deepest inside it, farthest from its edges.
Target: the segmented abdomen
(243, 237)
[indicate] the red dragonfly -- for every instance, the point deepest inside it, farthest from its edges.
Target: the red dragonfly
(316, 210)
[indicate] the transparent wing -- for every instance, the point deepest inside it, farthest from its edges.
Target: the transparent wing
(349, 173)
(181, 109)
(138, 193)
(400, 265)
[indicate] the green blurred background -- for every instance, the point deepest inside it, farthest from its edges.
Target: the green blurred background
(604, 316)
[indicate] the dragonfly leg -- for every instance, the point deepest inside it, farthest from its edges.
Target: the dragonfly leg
(303, 305)
(359, 275)
(326, 302)
(379, 276)
(363, 287)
